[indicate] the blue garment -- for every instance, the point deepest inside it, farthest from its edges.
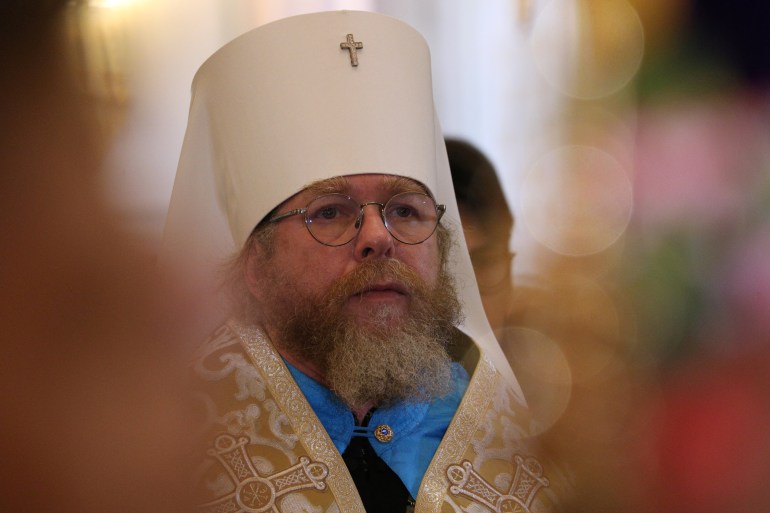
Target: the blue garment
(417, 427)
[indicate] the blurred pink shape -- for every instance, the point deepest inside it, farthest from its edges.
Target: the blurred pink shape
(747, 289)
(694, 162)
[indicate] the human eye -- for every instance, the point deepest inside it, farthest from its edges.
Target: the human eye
(407, 208)
(403, 211)
(403, 214)
(331, 210)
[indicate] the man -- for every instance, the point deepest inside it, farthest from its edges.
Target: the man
(487, 224)
(344, 384)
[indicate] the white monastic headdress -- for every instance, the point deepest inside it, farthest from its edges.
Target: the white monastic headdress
(295, 101)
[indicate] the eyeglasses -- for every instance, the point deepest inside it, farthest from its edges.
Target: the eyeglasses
(334, 219)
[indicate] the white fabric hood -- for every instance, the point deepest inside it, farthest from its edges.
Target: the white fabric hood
(282, 106)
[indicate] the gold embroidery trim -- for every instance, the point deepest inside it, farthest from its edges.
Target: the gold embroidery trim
(303, 420)
(460, 431)
(527, 480)
(253, 492)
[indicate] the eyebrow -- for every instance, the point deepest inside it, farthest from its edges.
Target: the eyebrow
(399, 184)
(337, 184)
(340, 185)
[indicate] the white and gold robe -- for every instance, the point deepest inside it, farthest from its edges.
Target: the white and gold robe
(269, 452)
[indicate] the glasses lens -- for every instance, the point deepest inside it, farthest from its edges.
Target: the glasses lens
(331, 219)
(411, 217)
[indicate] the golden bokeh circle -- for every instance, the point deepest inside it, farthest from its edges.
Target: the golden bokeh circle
(543, 372)
(587, 49)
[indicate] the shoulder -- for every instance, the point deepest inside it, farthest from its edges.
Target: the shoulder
(221, 339)
(222, 361)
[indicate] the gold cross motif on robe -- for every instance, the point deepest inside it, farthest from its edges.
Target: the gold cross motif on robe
(352, 46)
(529, 478)
(254, 493)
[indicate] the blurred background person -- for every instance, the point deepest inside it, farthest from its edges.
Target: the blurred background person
(487, 224)
(520, 316)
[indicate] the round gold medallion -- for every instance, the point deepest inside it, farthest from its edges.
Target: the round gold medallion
(383, 433)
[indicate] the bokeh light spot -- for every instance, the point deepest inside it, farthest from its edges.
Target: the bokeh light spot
(602, 54)
(576, 200)
(543, 373)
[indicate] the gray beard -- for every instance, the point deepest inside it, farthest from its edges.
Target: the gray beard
(380, 360)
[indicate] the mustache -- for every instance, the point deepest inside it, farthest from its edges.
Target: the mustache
(374, 274)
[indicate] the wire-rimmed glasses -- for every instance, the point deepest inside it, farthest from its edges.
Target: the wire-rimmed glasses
(334, 219)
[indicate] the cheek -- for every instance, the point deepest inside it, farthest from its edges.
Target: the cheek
(424, 258)
(312, 267)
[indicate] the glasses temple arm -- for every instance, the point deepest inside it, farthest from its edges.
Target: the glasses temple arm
(288, 214)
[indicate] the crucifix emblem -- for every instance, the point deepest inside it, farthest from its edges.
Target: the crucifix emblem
(529, 478)
(352, 46)
(254, 493)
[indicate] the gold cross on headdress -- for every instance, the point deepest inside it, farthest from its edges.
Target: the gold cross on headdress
(352, 46)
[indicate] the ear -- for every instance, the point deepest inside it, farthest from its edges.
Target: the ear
(251, 273)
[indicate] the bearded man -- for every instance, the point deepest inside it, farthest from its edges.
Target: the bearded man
(351, 375)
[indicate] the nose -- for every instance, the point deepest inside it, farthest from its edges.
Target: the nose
(373, 239)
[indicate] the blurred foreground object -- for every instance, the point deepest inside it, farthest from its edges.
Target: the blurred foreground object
(662, 317)
(681, 417)
(699, 268)
(90, 383)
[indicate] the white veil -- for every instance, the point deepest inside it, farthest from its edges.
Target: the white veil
(282, 106)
